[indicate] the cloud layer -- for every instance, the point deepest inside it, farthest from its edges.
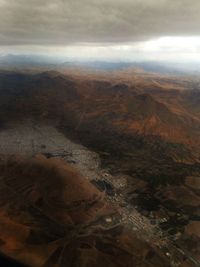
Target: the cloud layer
(69, 22)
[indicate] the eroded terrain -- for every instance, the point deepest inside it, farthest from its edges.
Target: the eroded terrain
(30, 138)
(144, 130)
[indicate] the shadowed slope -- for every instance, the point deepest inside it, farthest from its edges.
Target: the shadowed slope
(50, 216)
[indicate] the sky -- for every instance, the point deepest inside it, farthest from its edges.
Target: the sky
(102, 29)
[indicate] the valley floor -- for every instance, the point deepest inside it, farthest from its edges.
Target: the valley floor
(29, 138)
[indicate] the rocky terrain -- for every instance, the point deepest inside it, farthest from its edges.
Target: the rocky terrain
(52, 216)
(134, 140)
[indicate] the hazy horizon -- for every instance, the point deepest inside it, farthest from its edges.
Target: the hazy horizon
(108, 30)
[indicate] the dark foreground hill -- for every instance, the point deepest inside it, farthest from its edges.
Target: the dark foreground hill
(51, 216)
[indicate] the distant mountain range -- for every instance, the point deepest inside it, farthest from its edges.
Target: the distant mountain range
(50, 62)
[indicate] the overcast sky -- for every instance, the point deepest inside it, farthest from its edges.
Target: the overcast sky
(101, 28)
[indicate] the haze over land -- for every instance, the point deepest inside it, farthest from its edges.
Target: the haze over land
(100, 133)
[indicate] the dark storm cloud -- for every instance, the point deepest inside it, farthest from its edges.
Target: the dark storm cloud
(63, 22)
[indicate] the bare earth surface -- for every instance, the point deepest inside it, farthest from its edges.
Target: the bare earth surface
(31, 138)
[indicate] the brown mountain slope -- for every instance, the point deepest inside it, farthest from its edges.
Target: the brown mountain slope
(50, 216)
(150, 125)
(169, 113)
(146, 127)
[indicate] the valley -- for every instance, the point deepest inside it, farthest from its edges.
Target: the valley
(99, 133)
(30, 139)
(134, 142)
